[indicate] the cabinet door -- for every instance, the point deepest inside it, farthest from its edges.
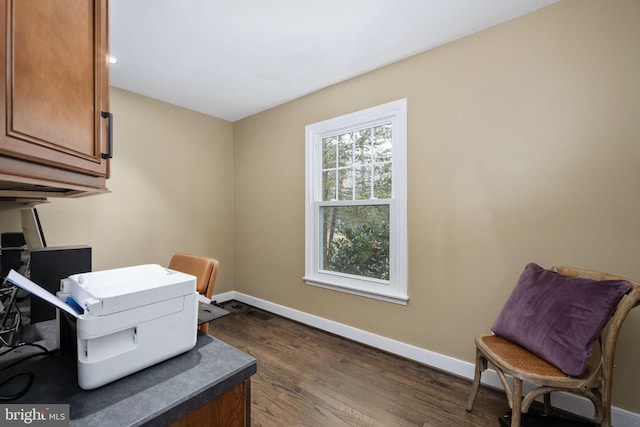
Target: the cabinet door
(54, 83)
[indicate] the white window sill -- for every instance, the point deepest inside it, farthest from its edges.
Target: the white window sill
(394, 297)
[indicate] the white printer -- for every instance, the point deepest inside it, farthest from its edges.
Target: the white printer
(134, 317)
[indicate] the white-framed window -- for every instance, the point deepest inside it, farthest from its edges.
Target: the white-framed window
(356, 207)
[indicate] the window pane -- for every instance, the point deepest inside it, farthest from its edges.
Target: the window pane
(362, 146)
(382, 181)
(345, 150)
(363, 183)
(355, 240)
(382, 143)
(329, 185)
(345, 184)
(329, 146)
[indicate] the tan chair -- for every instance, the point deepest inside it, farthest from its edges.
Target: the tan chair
(205, 269)
(510, 359)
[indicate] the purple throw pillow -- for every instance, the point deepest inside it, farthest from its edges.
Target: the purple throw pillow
(558, 317)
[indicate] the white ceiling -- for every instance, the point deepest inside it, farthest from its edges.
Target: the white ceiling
(234, 58)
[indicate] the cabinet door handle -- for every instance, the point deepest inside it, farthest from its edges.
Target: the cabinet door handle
(108, 115)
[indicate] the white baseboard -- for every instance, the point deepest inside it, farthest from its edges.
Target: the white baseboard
(571, 403)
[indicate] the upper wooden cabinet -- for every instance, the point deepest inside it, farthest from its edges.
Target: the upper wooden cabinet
(54, 90)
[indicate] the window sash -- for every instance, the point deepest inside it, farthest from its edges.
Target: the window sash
(321, 243)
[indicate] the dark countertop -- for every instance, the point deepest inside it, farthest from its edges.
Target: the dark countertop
(154, 396)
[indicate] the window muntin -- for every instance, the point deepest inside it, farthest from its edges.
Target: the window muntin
(356, 203)
(357, 165)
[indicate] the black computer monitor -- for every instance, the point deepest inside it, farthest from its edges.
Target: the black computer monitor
(32, 229)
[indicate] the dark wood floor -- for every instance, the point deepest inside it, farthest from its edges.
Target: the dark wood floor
(307, 377)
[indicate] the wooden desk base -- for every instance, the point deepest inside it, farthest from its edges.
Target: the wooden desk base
(230, 409)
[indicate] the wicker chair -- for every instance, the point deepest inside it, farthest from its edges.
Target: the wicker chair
(510, 359)
(205, 269)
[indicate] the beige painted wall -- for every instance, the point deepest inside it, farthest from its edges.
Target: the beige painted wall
(171, 191)
(524, 142)
(524, 145)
